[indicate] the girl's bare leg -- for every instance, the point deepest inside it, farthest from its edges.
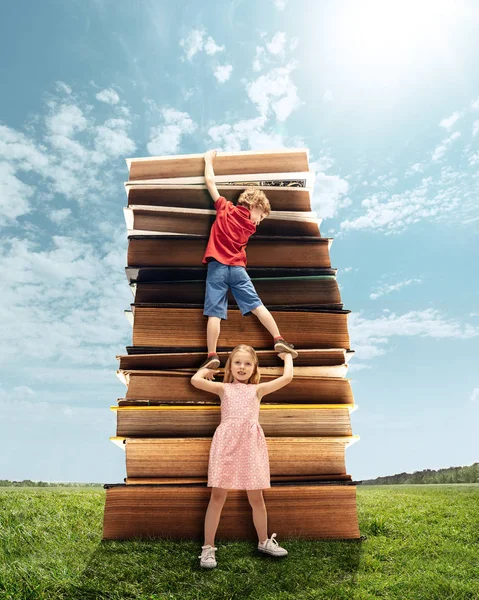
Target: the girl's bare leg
(213, 514)
(260, 516)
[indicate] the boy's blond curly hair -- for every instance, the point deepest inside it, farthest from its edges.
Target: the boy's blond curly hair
(252, 197)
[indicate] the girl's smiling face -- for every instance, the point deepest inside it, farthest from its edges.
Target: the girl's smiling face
(242, 366)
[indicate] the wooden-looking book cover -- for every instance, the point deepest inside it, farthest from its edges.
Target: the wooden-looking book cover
(293, 291)
(158, 359)
(186, 328)
(201, 421)
(176, 387)
(188, 457)
(226, 163)
(198, 196)
(302, 511)
(263, 251)
(198, 221)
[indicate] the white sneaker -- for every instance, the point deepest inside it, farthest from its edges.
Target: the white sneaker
(271, 546)
(207, 557)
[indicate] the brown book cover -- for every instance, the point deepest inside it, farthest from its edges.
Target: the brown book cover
(159, 360)
(202, 421)
(226, 163)
(293, 291)
(198, 196)
(188, 457)
(186, 328)
(175, 387)
(188, 251)
(301, 511)
(196, 221)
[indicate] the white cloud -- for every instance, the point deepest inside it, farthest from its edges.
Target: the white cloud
(223, 72)
(277, 44)
(244, 135)
(415, 168)
(450, 121)
(280, 4)
(112, 138)
(475, 104)
(257, 59)
(109, 96)
(440, 150)
(329, 195)
(328, 96)
(370, 336)
(388, 288)
(166, 138)
(475, 395)
(211, 47)
(65, 120)
(195, 43)
(475, 128)
(61, 86)
(14, 195)
(275, 92)
(58, 216)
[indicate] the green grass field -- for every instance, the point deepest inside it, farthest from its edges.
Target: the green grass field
(422, 542)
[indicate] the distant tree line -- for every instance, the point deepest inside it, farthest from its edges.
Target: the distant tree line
(468, 474)
(29, 483)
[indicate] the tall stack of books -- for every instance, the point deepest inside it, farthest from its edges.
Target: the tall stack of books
(164, 424)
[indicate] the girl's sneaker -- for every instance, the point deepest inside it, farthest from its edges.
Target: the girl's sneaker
(271, 546)
(207, 558)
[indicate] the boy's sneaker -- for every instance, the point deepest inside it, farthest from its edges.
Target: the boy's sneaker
(207, 557)
(271, 546)
(281, 345)
(212, 362)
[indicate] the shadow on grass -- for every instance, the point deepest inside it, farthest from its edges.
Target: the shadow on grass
(166, 569)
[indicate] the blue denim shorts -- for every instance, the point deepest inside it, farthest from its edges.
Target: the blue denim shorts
(220, 278)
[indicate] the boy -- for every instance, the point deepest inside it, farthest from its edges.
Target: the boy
(226, 258)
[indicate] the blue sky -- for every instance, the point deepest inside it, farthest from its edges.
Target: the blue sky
(387, 100)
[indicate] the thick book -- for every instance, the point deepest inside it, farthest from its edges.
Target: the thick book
(198, 196)
(262, 251)
(175, 387)
(198, 273)
(292, 291)
(298, 420)
(275, 480)
(188, 457)
(198, 221)
(186, 328)
(155, 358)
(314, 512)
(225, 164)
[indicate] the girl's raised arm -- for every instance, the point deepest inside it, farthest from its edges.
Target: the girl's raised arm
(202, 380)
(267, 388)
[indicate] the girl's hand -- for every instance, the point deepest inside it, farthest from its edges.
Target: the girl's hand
(210, 374)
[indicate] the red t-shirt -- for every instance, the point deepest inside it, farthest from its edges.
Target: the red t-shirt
(229, 234)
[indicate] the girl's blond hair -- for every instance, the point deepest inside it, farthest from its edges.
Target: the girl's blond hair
(255, 377)
(252, 197)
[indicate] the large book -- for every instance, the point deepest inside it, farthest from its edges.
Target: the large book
(275, 479)
(320, 511)
(198, 273)
(226, 164)
(201, 421)
(186, 328)
(263, 251)
(198, 196)
(198, 221)
(292, 291)
(188, 457)
(156, 358)
(174, 387)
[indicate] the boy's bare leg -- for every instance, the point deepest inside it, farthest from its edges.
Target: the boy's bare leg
(213, 333)
(260, 516)
(213, 514)
(267, 320)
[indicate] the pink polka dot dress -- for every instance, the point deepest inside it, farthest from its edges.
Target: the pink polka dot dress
(238, 454)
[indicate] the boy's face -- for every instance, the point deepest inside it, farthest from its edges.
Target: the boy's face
(257, 215)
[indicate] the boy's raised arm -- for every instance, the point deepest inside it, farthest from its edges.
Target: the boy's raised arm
(210, 175)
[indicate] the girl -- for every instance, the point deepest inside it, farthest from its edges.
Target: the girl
(238, 453)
